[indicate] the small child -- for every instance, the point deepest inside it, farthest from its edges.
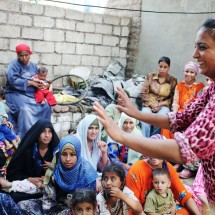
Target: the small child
(6, 134)
(44, 92)
(160, 200)
(116, 198)
(83, 202)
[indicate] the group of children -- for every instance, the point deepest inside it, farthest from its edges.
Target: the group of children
(116, 198)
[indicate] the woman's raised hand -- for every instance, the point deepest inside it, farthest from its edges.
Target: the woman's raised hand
(128, 107)
(109, 125)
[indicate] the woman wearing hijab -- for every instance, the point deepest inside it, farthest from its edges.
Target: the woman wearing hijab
(92, 148)
(30, 161)
(20, 89)
(68, 172)
(185, 92)
(122, 154)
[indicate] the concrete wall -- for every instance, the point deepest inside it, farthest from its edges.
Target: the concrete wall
(171, 35)
(61, 39)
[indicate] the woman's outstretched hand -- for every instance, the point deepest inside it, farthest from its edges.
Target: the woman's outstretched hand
(109, 125)
(128, 107)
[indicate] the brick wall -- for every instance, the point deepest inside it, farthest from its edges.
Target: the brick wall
(62, 39)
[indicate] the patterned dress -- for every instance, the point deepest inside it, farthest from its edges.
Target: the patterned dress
(196, 135)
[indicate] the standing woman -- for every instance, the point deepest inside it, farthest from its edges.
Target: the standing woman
(20, 89)
(157, 94)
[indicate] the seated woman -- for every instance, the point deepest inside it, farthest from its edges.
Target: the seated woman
(139, 180)
(119, 153)
(92, 148)
(185, 92)
(157, 94)
(30, 161)
(24, 111)
(68, 172)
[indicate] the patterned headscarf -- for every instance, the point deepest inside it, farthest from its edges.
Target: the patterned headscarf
(193, 66)
(82, 129)
(79, 176)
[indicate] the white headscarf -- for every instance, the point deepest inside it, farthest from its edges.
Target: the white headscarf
(82, 136)
(132, 155)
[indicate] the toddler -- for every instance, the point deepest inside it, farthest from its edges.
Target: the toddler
(160, 200)
(6, 135)
(44, 92)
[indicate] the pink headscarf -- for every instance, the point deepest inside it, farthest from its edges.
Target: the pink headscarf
(193, 66)
(23, 47)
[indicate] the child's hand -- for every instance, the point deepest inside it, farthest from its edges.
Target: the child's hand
(116, 192)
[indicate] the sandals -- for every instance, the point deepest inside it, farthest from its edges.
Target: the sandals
(186, 173)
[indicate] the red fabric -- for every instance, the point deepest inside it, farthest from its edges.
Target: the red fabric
(40, 96)
(122, 156)
(23, 47)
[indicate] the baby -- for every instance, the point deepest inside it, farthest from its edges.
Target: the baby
(43, 92)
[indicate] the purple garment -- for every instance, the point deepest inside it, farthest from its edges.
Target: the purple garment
(24, 111)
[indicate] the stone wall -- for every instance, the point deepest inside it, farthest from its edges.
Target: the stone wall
(135, 29)
(62, 39)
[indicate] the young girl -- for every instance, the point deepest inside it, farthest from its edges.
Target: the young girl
(83, 202)
(116, 198)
